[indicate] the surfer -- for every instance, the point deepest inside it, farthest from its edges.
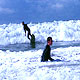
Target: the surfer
(46, 53)
(26, 28)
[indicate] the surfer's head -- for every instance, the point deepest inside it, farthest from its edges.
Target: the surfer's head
(49, 41)
(23, 23)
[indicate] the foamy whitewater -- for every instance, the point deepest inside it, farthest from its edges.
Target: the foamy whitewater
(59, 30)
(26, 65)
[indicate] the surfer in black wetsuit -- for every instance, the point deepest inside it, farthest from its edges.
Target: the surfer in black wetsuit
(46, 53)
(26, 28)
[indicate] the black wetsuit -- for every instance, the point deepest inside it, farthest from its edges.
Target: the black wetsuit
(27, 28)
(46, 54)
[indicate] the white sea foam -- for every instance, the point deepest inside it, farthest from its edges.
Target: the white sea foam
(59, 30)
(27, 66)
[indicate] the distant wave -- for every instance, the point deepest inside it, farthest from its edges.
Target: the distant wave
(59, 30)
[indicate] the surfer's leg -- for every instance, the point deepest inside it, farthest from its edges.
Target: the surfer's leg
(28, 36)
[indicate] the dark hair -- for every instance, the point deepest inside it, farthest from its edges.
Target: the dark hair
(22, 21)
(49, 38)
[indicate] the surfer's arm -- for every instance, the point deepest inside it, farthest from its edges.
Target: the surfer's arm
(51, 59)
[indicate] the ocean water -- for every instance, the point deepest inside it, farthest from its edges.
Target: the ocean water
(38, 45)
(20, 61)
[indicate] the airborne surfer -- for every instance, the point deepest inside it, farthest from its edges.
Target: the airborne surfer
(26, 28)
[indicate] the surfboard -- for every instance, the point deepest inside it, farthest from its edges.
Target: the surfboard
(57, 60)
(32, 41)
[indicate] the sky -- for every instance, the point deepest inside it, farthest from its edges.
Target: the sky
(16, 11)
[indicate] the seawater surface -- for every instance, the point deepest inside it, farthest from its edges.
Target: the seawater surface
(38, 45)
